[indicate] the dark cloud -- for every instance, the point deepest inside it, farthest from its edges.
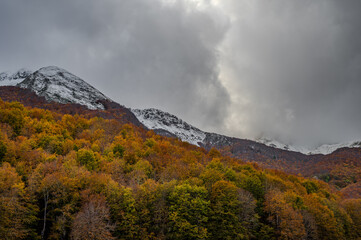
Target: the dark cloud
(284, 69)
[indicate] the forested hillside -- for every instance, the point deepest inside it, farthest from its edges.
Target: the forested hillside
(341, 169)
(75, 177)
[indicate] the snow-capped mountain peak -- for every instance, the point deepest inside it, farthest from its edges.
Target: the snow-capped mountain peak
(11, 79)
(57, 84)
(158, 120)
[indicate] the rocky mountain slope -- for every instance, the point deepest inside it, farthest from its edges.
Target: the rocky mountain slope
(168, 124)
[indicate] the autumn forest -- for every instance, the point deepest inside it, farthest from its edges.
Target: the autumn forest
(66, 176)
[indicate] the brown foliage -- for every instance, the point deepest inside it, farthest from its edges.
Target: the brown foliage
(287, 220)
(93, 220)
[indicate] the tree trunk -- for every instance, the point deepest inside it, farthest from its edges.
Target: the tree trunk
(46, 199)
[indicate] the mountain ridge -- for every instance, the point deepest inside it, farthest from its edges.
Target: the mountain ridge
(156, 119)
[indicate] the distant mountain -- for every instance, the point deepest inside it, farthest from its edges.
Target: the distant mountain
(170, 125)
(323, 149)
(329, 148)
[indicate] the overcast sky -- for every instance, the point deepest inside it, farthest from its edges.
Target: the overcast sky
(283, 69)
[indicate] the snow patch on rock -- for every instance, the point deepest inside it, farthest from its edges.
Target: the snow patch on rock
(12, 79)
(329, 148)
(279, 145)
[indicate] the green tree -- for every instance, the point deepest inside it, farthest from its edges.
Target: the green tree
(87, 158)
(253, 184)
(118, 150)
(310, 186)
(231, 210)
(188, 212)
(123, 212)
(14, 117)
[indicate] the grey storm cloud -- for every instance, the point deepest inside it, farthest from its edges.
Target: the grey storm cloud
(296, 68)
(289, 70)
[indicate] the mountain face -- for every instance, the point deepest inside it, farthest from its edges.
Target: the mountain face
(58, 85)
(167, 124)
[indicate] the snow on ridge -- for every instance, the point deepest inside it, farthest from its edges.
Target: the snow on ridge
(323, 149)
(329, 148)
(279, 145)
(57, 84)
(157, 119)
(12, 79)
